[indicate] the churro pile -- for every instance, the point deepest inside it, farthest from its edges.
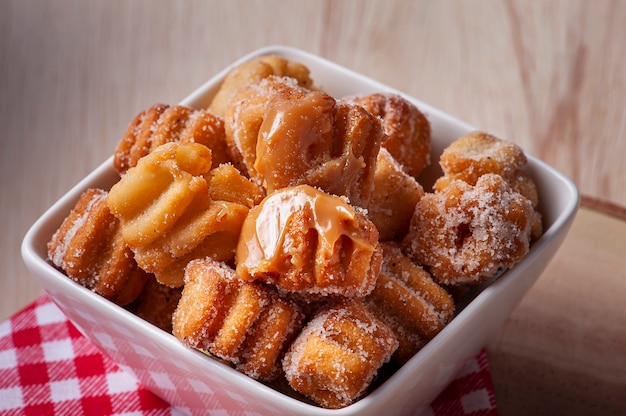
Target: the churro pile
(285, 232)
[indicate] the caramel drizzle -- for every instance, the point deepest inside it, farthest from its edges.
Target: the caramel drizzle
(331, 218)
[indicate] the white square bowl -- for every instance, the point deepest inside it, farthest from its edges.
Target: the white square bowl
(191, 380)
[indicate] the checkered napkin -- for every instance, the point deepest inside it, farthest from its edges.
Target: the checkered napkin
(48, 367)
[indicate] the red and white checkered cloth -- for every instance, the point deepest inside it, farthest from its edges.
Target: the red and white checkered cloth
(47, 367)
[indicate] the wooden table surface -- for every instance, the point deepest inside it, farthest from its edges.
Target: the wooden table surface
(547, 75)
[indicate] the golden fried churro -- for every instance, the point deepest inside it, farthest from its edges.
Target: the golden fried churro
(89, 248)
(407, 128)
(477, 153)
(244, 323)
(394, 198)
(167, 214)
(157, 303)
(253, 71)
(465, 233)
(339, 352)
(409, 301)
(160, 124)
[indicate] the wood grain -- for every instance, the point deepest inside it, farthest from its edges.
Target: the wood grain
(562, 349)
(546, 74)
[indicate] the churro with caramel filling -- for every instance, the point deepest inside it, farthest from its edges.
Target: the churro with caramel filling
(309, 138)
(306, 241)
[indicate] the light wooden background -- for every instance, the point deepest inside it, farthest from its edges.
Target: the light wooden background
(546, 74)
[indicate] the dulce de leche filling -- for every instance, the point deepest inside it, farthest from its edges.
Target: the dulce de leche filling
(295, 136)
(305, 240)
